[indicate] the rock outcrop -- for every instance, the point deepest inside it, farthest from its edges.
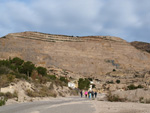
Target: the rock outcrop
(142, 46)
(138, 95)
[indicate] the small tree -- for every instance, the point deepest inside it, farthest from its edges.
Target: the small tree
(132, 87)
(63, 79)
(87, 83)
(80, 83)
(117, 81)
(42, 70)
(83, 83)
(27, 68)
(5, 63)
(17, 61)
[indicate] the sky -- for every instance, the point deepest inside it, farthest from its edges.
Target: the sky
(128, 19)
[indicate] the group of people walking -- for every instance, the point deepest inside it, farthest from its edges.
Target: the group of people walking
(89, 94)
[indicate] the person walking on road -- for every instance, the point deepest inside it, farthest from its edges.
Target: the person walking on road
(81, 93)
(92, 94)
(95, 94)
(86, 93)
(89, 94)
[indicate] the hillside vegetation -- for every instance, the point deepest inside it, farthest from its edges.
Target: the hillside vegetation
(15, 70)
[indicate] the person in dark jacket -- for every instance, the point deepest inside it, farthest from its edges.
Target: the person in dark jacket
(95, 94)
(81, 93)
(92, 94)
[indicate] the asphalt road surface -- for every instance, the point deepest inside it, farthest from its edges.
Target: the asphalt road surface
(63, 105)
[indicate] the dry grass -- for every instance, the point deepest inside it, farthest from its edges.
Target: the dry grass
(42, 92)
(6, 79)
(142, 100)
(9, 95)
(2, 101)
(115, 98)
(74, 92)
(57, 82)
(147, 101)
(61, 94)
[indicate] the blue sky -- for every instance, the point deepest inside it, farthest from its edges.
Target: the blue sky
(128, 19)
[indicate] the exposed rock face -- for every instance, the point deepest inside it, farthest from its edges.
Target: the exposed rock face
(142, 46)
(21, 87)
(138, 95)
(90, 56)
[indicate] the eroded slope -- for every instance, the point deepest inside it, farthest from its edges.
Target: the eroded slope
(87, 56)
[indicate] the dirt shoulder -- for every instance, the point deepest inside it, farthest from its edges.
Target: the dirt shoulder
(120, 107)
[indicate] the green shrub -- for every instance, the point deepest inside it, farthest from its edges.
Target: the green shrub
(110, 82)
(16, 64)
(42, 71)
(63, 79)
(9, 95)
(27, 68)
(114, 69)
(20, 75)
(18, 67)
(139, 86)
(17, 61)
(2, 101)
(4, 70)
(132, 87)
(117, 81)
(52, 77)
(6, 63)
(83, 83)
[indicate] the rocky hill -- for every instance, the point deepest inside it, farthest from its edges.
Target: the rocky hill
(90, 56)
(142, 46)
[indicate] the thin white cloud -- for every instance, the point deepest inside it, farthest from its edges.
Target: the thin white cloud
(128, 19)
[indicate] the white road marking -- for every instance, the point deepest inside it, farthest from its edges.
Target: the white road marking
(65, 104)
(35, 112)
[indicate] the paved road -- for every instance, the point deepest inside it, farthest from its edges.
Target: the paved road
(63, 105)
